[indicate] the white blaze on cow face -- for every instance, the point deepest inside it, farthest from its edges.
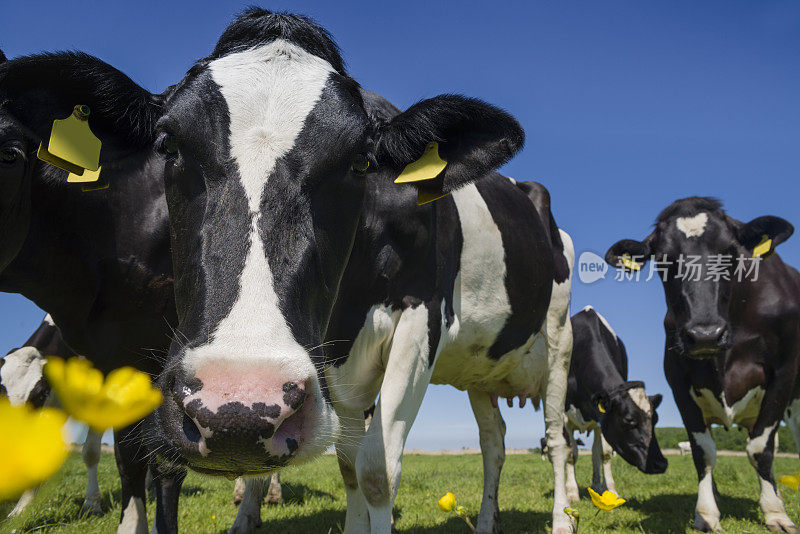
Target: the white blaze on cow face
(22, 370)
(269, 91)
(692, 226)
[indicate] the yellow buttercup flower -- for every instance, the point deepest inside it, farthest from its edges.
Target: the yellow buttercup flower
(448, 502)
(32, 447)
(790, 481)
(607, 501)
(124, 397)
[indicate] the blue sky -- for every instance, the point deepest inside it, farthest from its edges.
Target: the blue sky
(627, 105)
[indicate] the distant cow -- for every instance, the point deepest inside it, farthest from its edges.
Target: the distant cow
(601, 399)
(732, 335)
(684, 447)
(21, 379)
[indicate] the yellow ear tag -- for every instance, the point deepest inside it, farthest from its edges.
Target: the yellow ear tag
(424, 197)
(763, 247)
(72, 145)
(427, 167)
(600, 407)
(87, 176)
(629, 263)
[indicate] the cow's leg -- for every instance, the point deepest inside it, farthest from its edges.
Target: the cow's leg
(606, 453)
(347, 445)
(248, 517)
(24, 501)
(704, 454)
(132, 467)
(573, 494)
(167, 481)
(492, 431)
(408, 373)
(238, 491)
(559, 352)
(274, 490)
(598, 484)
(760, 452)
(91, 457)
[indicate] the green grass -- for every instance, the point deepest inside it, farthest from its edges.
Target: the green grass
(316, 502)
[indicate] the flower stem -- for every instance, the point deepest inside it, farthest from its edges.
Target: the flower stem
(469, 524)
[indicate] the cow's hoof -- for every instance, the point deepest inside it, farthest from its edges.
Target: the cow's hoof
(92, 507)
(780, 523)
(706, 524)
(245, 524)
(238, 491)
(273, 497)
(563, 526)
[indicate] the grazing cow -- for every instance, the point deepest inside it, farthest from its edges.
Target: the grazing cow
(732, 335)
(684, 447)
(601, 399)
(21, 379)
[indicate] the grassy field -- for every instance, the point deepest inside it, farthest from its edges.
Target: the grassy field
(316, 502)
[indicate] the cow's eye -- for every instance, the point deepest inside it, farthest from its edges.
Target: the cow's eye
(9, 156)
(167, 144)
(360, 164)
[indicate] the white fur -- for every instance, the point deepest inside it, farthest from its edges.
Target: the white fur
(91, 457)
(717, 411)
(692, 226)
(248, 516)
(21, 372)
(49, 320)
(706, 510)
(492, 430)
(134, 518)
(770, 501)
(641, 399)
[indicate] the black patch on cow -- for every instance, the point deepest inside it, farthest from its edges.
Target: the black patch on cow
(293, 395)
(256, 27)
(689, 207)
(273, 411)
(39, 393)
(528, 258)
(434, 331)
(540, 197)
(291, 444)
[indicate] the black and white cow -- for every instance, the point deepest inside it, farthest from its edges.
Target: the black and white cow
(22, 381)
(308, 282)
(732, 342)
(602, 400)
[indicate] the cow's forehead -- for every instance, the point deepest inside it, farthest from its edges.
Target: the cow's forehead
(269, 90)
(700, 230)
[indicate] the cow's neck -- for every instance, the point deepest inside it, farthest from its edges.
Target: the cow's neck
(596, 376)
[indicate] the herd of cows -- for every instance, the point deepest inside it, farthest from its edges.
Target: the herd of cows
(272, 251)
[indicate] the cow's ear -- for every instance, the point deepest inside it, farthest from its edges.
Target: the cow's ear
(39, 89)
(655, 400)
(448, 141)
(629, 254)
(763, 234)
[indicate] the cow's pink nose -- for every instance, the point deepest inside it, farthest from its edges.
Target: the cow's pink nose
(235, 421)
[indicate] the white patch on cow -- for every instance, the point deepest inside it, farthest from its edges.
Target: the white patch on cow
(248, 516)
(134, 518)
(770, 502)
(717, 411)
(92, 500)
(758, 444)
(21, 372)
(706, 509)
(692, 226)
(49, 320)
(575, 421)
(640, 398)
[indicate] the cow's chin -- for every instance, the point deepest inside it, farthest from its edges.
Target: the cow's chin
(313, 431)
(704, 353)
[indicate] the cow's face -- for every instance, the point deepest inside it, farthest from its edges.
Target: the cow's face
(22, 377)
(697, 247)
(629, 426)
(268, 146)
(16, 151)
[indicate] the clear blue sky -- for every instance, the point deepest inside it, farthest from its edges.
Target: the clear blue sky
(628, 105)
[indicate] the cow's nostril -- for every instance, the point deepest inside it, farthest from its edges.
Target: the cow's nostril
(293, 395)
(190, 430)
